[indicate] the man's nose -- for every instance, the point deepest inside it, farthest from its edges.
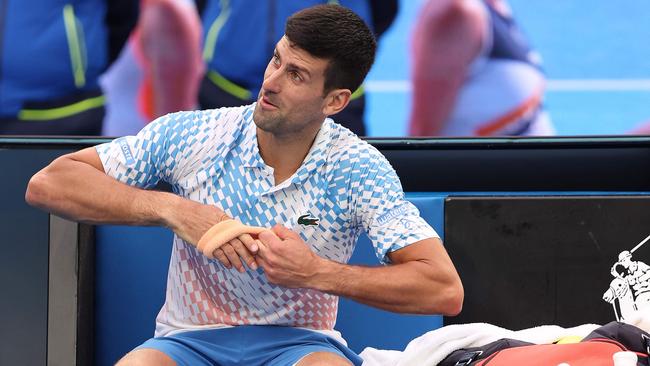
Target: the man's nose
(272, 81)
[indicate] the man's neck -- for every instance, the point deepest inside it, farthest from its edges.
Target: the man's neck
(286, 153)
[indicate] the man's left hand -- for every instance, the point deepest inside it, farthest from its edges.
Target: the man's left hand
(286, 259)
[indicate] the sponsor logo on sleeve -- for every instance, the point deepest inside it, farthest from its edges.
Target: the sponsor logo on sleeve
(126, 152)
(388, 216)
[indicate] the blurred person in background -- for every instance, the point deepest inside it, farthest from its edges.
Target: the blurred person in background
(159, 70)
(52, 53)
(239, 35)
(157, 73)
(474, 73)
(643, 129)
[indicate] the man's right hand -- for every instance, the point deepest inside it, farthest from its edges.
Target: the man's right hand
(190, 220)
(242, 249)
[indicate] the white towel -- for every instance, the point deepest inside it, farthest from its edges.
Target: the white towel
(432, 347)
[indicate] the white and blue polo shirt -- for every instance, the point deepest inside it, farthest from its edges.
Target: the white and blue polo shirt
(343, 187)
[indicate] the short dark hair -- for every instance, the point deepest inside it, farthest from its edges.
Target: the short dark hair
(335, 33)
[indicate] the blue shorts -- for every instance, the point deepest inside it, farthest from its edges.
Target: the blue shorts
(247, 345)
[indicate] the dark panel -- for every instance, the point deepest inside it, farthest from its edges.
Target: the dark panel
(606, 164)
(505, 168)
(86, 296)
(23, 263)
(528, 261)
(581, 164)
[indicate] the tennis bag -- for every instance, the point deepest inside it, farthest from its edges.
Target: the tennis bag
(596, 349)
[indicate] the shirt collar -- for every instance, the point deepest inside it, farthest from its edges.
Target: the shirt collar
(251, 157)
(318, 153)
(316, 157)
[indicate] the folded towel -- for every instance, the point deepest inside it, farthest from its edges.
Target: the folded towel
(432, 347)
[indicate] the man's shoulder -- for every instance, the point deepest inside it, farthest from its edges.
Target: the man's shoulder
(226, 117)
(241, 113)
(352, 149)
(197, 134)
(221, 121)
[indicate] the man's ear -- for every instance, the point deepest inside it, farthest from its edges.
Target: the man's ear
(335, 101)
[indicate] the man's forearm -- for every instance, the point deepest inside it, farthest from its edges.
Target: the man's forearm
(78, 191)
(406, 288)
(422, 280)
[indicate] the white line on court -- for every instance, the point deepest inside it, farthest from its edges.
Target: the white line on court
(387, 86)
(554, 85)
(598, 85)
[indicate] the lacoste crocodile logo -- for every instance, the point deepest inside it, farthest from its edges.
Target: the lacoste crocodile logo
(308, 220)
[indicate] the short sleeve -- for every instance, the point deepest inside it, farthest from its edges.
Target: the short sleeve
(390, 221)
(173, 148)
(142, 160)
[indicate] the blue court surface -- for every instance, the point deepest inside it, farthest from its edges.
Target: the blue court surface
(596, 56)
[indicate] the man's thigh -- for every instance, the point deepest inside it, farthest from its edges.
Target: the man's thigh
(323, 359)
(312, 355)
(245, 345)
(152, 357)
(146, 357)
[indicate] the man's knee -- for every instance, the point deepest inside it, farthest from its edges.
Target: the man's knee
(146, 357)
(323, 359)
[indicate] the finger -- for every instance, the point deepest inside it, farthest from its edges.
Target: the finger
(284, 232)
(268, 237)
(216, 235)
(260, 245)
(244, 253)
(263, 252)
(262, 263)
(221, 256)
(233, 257)
(249, 242)
(268, 240)
(222, 233)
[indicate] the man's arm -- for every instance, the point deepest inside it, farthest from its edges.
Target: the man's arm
(421, 280)
(447, 38)
(75, 186)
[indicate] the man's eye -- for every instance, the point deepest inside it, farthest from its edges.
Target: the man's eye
(295, 76)
(276, 59)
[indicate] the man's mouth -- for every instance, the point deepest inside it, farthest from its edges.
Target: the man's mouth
(267, 104)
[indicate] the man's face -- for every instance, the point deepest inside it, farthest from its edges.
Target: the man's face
(291, 97)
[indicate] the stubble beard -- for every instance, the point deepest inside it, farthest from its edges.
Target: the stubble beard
(278, 122)
(271, 122)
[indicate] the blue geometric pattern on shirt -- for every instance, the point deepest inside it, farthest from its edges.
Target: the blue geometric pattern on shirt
(213, 157)
(185, 149)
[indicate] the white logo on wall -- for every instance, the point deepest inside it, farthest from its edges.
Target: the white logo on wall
(630, 288)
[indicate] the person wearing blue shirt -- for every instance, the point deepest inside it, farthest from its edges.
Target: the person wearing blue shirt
(52, 53)
(236, 53)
